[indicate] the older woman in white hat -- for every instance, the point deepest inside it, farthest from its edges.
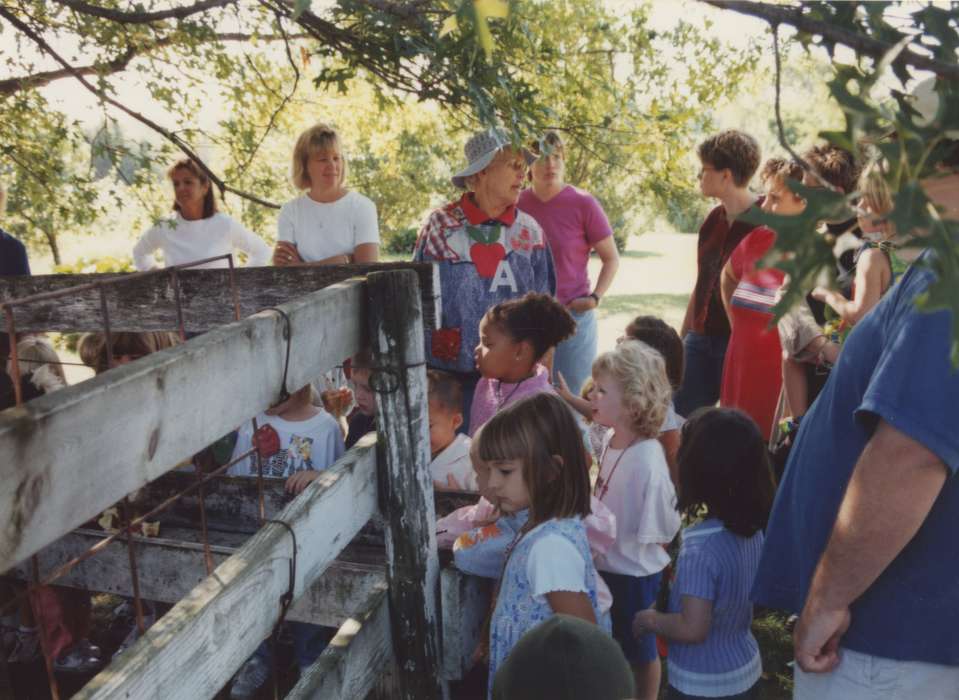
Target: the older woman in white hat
(486, 249)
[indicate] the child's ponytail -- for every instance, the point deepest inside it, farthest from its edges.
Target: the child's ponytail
(535, 318)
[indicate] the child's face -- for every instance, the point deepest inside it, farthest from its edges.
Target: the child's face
(443, 425)
(871, 220)
(362, 393)
(781, 200)
(607, 401)
(507, 485)
(497, 353)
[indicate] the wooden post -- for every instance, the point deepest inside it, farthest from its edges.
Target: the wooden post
(406, 490)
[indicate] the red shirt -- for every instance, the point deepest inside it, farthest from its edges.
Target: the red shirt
(752, 372)
(717, 240)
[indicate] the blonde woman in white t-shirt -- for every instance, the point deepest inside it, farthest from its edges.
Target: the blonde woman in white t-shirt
(197, 231)
(328, 223)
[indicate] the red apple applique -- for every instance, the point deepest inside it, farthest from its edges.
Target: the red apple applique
(487, 252)
(267, 441)
(445, 344)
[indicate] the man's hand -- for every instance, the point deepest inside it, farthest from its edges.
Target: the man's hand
(816, 637)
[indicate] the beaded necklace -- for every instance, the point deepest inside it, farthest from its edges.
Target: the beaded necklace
(498, 392)
(602, 485)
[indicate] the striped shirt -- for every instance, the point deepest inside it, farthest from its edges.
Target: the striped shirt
(716, 565)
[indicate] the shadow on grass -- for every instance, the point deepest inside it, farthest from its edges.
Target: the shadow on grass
(661, 305)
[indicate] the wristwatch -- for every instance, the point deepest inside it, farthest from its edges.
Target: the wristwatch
(595, 297)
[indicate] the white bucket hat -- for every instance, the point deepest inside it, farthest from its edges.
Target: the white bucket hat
(925, 100)
(480, 151)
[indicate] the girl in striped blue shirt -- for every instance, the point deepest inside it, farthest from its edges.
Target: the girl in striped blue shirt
(724, 477)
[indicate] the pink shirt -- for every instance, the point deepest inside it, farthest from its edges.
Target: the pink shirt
(574, 222)
(492, 395)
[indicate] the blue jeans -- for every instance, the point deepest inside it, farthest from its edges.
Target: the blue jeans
(574, 356)
(703, 376)
(309, 641)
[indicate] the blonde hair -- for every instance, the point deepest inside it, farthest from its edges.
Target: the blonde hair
(319, 137)
(875, 190)
(640, 372)
(3, 198)
(37, 359)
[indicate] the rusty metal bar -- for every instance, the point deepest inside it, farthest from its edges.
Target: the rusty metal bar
(234, 292)
(175, 276)
(134, 574)
(64, 568)
(107, 336)
(41, 632)
(207, 554)
(14, 357)
(259, 474)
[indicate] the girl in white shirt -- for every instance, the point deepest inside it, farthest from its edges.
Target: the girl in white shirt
(327, 223)
(631, 395)
(197, 230)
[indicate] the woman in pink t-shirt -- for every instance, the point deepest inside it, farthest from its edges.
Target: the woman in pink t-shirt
(575, 224)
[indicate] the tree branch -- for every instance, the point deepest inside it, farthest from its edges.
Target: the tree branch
(118, 64)
(861, 44)
(143, 17)
(163, 131)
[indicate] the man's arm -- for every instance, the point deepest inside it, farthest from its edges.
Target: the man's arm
(893, 486)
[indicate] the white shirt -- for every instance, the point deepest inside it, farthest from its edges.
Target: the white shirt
(554, 564)
(314, 443)
(673, 420)
(184, 241)
(455, 461)
(324, 229)
(642, 497)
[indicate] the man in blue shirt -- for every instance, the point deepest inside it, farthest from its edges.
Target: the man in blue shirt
(862, 538)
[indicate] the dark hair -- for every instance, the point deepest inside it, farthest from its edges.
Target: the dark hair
(209, 201)
(536, 318)
(534, 431)
(835, 165)
(664, 339)
(92, 347)
(445, 390)
(731, 150)
(724, 467)
(781, 169)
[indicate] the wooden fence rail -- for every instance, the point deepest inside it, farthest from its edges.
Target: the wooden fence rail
(70, 455)
(193, 650)
(148, 303)
(73, 453)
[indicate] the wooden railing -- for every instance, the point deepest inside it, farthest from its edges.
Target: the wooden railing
(71, 454)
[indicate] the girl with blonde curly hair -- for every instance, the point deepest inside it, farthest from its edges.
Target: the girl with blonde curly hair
(631, 395)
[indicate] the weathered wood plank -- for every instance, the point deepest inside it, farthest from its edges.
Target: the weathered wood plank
(349, 667)
(147, 303)
(399, 381)
(465, 605)
(71, 454)
(171, 568)
(194, 649)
